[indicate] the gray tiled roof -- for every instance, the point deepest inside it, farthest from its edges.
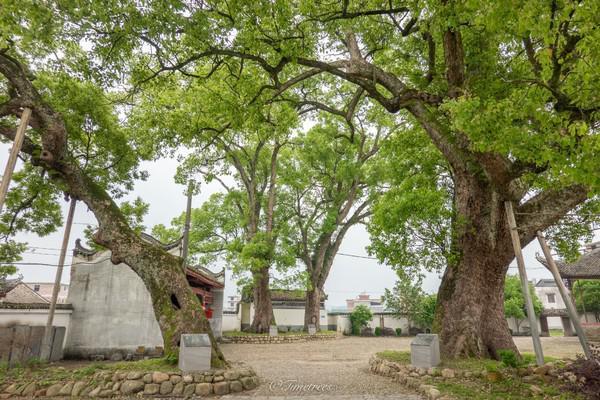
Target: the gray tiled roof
(587, 267)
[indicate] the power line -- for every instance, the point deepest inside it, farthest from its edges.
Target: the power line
(357, 256)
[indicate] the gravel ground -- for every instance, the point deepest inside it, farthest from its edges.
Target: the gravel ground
(338, 369)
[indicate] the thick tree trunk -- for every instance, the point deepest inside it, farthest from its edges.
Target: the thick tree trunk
(470, 314)
(263, 308)
(312, 308)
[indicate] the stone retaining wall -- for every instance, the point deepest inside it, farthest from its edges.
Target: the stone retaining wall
(256, 339)
(123, 383)
(592, 331)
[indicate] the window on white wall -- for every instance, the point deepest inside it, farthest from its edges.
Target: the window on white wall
(551, 298)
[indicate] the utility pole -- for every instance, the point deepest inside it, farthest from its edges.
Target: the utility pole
(565, 295)
(14, 152)
(186, 227)
(514, 234)
(47, 341)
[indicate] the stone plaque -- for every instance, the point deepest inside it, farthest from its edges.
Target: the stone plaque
(312, 329)
(194, 352)
(273, 330)
(425, 351)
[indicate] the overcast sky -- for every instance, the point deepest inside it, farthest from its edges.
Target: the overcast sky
(349, 276)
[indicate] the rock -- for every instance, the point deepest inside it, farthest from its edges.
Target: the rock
(494, 376)
(433, 371)
(95, 392)
(151, 388)
(433, 394)
(231, 375)
(208, 378)
(134, 375)
(203, 389)
(159, 377)
(199, 378)
(236, 386)
(178, 389)
(4, 396)
(29, 389)
(54, 390)
(543, 370)
(117, 356)
(421, 371)
(536, 389)
(448, 373)
(40, 393)
(245, 372)
(66, 389)
(166, 387)
(175, 379)
(147, 378)
(189, 390)
(86, 391)
(97, 357)
(529, 378)
(132, 386)
(248, 382)
(218, 378)
(12, 389)
(221, 388)
(115, 387)
(105, 393)
(188, 379)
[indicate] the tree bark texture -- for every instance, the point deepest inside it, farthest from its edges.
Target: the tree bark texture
(263, 308)
(312, 309)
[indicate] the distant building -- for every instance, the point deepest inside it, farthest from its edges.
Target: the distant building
(547, 292)
(366, 300)
(232, 302)
(16, 292)
(45, 289)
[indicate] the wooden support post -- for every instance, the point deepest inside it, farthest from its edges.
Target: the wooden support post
(186, 227)
(47, 341)
(565, 295)
(14, 152)
(514, 234)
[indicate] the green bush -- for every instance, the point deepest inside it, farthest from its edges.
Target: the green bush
(377, 331)
(509, 358)
(359, 318)
(398, 331)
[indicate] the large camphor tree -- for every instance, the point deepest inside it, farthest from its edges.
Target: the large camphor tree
(75, 144)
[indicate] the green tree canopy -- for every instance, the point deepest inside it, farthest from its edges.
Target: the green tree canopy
(514, 302)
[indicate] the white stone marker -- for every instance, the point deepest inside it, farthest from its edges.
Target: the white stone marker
(273, 330)
(312, 329)
(425, 351)
(194, 352)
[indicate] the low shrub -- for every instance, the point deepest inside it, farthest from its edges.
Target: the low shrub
(398, 331)
(377, 331)
(509, 358)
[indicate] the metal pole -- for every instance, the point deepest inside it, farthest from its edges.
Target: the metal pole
(514, 234)
(47, 341)
(14, 152)
(186, 227)
(565, 295)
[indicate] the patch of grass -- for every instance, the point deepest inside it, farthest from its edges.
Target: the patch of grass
(401, 357)
(557, 332)
(47, 374)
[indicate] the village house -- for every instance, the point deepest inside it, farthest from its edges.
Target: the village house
(45, 289)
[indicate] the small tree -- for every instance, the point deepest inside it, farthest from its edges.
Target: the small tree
(587, 297)
(514, 302)
(408, 300)
(359, 318)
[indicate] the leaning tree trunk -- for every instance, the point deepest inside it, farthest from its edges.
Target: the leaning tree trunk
(312, 308)
(176, 308)
(470, 313)
(263, 308)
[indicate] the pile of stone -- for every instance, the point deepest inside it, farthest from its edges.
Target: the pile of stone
(171, 384)
(418, 378)
(265, 339)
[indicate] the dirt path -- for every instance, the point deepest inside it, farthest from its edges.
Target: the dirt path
(338, 369)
